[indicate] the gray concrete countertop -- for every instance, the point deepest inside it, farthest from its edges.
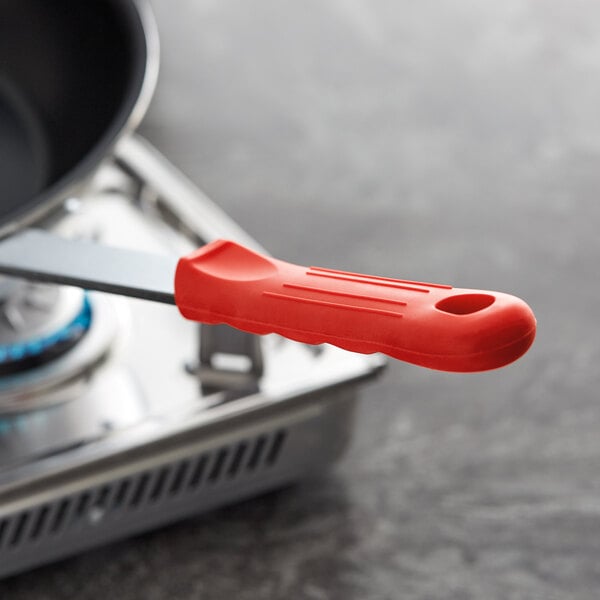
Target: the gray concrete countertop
(454, 141)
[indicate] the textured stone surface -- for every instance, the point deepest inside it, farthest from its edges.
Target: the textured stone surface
(454, 141)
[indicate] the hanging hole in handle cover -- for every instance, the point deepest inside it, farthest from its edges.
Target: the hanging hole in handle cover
(465, 304)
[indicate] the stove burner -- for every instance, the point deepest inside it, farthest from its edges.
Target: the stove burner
(56, 364)
(30, 353)
(39, 323)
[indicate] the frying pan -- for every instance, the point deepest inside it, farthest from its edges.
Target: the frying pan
(73, 78)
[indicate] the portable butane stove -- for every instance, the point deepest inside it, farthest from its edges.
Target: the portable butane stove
(117, 415)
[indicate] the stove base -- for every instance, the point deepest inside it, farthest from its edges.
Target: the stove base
(170, 477)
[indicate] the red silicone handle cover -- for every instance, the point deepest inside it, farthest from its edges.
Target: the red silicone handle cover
(431, 325)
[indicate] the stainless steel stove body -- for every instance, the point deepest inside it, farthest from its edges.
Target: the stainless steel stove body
(118, 415)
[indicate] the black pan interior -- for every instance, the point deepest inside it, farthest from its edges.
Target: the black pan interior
(70, 74)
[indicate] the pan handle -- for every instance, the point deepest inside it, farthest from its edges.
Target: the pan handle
(427, 324)
(431, 325)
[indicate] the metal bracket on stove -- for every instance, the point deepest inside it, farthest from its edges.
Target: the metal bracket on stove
(228, 359)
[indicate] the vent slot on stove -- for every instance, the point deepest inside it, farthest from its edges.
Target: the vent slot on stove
(170, 482)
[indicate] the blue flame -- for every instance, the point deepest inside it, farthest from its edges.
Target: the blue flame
(34, 347)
